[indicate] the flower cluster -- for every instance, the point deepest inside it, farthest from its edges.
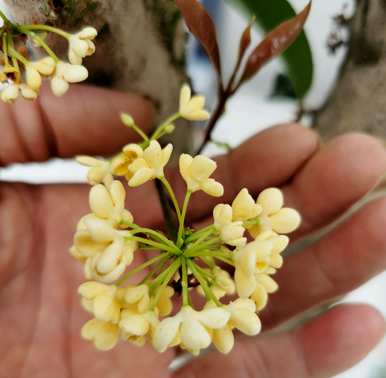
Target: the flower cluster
(153, 299)
(21, 76)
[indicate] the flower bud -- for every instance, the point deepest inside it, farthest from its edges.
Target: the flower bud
(73, 73)
(27, 92)
(10, 94)
(45, 66)
(127, 120)
(59, 86)
(88, 32)
(33, 78)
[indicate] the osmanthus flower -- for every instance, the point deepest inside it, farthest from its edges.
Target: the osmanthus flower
(231, 232)
(190, 329)
(102, 301)
(105, 249)
(137, 303)
(197, 171)
(66, 74)
(81, 45)
(192, 108)
(120, 163)
(222, 285)
(250, 260)
(109, 203)
(243, 318)
(104, 335)
(12, 91)
(275, 217)
(265, 285)
(99, 170)
(149, 164)
(24, 75)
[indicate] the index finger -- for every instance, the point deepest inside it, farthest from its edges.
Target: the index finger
(85, 121)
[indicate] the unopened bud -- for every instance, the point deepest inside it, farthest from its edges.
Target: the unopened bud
(127, 120)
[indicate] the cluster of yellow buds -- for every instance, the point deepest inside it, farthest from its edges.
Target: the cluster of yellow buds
(19, 75)
(230, 263)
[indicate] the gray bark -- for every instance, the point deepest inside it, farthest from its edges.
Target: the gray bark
(358, 102)
(140, 46)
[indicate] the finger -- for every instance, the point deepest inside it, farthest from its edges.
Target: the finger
(329, 183)
(326, 346)
(85, 121)
(340, 174)
(345, 259)
(263, 161)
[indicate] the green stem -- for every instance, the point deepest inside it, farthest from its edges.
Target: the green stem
(157, 133)
(207, 290)
(203, 246)
(185, 290)
(5, 49)
(167, 274)
(169, 189)
(160, 246)
(181, 228)
(149, 231)
(197, 234)
(47, 28)
(139, 268)
(14, 54)
(41, 42)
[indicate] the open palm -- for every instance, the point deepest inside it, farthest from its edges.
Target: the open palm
(40, 315)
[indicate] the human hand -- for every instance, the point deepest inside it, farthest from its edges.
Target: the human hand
(40, 313)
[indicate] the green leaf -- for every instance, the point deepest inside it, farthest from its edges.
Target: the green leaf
(298, 57)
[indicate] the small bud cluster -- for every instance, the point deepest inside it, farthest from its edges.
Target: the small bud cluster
(19, 75)
(230, 263)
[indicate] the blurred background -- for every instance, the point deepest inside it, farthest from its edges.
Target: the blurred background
(265, 101)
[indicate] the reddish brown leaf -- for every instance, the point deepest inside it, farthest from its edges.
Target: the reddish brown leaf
(202, 27)
(245, 40)
(275, 43)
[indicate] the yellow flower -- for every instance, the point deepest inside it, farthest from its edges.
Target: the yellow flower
(109, 203)
(99, 170)
(265, 285)
(231, 233)
(196, 172)
(190, 328)
(274, 216)
(165, 304)
(65, 74)
(101, 300)
(138, 328)
(242, 317)
(104, 335)
(223, 283)
(192, 108)
(244, 207)
(150, 165)
(81, 45)
(45, 66)
(106, 251)
(10, 93)
(120, 164)
(252, 259)
(32, 77)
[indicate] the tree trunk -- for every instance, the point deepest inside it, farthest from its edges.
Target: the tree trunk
(140, 46)
(358, 102)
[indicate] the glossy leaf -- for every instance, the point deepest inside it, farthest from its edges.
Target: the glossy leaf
(202, 27)
(245, 40)
(298, 56)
